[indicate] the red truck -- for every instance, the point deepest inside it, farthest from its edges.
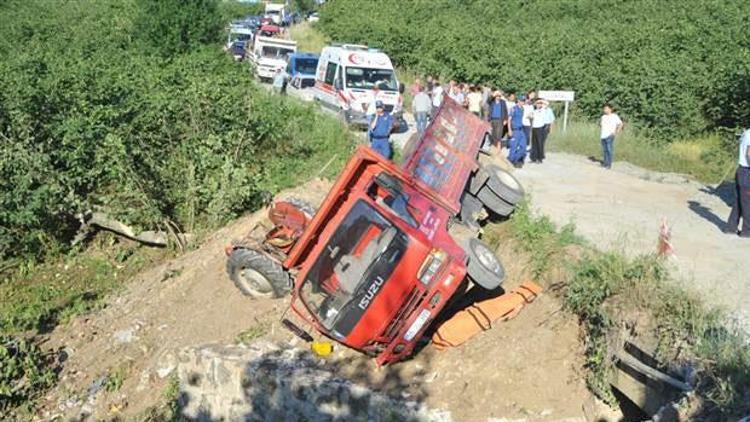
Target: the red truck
(390, 245)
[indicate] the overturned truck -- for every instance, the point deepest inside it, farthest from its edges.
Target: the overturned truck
(391, 246)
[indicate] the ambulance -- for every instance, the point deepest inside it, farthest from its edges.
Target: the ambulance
(346, 76)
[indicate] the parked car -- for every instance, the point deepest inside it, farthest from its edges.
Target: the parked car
(313, 17)
(301, 68)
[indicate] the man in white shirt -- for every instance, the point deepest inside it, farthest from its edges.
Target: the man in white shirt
(437, 96)
(741, 208)
(528, 113)
(611, 125)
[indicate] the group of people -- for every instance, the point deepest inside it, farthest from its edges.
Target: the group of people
(516, 120)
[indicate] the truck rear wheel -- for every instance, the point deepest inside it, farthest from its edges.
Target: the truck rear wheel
(494, 203)
(484, 268)
(302, 205)
(504, 184)
(257, 275)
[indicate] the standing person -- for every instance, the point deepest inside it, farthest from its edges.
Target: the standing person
(611, 125)
(510, 102)
(537, 136)
(437, 97)
(380, 131)
(456, 94)
(486, 98)
(517, 154)
(474, 99)
(421, 106)
(531, 97)
(430, 84)
(741, 207)
(549, 121)
(498, 116)
(374, 99)
(528, 113)
(414, 88)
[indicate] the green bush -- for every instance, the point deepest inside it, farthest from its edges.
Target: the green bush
(176, 26)
(670, 66)
(89, 119)
(24, 372)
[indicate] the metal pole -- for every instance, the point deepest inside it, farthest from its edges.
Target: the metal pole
(565, 118)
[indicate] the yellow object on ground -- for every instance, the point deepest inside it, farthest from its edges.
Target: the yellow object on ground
(480, 316)
(322, 348)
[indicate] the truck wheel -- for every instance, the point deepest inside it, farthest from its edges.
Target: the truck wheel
(484, 268)
(494, 203)
(257, 275)
(302, 205)
(504, 184)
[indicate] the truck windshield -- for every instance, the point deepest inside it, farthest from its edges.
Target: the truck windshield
(352, 268)
(365, 78)
(275, 52)
(307, 66)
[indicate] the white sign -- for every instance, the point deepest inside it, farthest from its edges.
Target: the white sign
(557, 95)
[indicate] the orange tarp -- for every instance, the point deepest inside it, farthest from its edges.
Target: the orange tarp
(480, 316)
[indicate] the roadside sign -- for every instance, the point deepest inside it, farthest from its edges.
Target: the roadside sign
(558, 95)
(565, 96)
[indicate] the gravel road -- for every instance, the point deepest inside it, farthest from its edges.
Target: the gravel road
(623, 209)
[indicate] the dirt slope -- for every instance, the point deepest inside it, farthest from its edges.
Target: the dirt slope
(526, 368)
(623, 209)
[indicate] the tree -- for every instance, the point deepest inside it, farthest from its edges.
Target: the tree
(171, 27)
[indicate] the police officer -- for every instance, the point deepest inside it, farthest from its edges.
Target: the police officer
(517, 154)
(380, 131)
(741, 208)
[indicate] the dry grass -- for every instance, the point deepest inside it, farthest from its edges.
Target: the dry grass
(309, 39)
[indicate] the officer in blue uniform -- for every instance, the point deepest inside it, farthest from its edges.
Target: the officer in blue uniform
(380, 131)
(517, 144)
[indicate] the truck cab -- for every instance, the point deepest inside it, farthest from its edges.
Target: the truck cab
(391, 245)
(345, 80)
(301, 68)
(276, 12)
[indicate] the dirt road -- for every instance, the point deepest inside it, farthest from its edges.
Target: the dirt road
(623, 209)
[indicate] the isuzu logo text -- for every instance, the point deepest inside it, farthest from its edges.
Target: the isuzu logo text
(371, 291)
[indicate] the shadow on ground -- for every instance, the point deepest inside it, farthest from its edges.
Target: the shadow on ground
(707, 214)
(293, 385)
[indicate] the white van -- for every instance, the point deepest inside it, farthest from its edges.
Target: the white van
(345, 79)
(270, 55)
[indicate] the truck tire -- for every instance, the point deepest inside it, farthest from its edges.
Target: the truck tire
(504, 184)
(494, 203)
(257, 275)
(302, 205)
(484, 268)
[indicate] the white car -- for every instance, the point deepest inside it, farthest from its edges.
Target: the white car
(314, 17)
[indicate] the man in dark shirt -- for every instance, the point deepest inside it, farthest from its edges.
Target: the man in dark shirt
(380, 131)
(498, 116)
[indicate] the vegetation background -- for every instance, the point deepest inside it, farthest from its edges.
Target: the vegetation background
(129, 107)
(676, 68)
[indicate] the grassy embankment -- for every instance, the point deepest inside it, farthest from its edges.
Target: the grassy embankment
(612, 294)
(705, 159)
